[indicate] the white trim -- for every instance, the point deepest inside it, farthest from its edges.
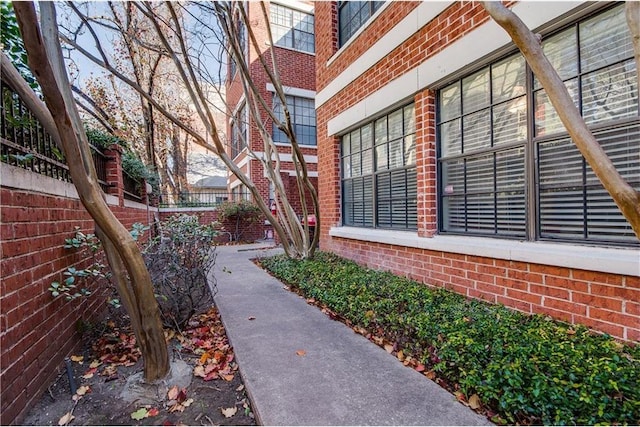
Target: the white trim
(112, 200)
(237, 108)
(293, 4)
(475, 45)
(294, 91)
(288, 144)
(410, 25)
(624, 261)
(355, 35)
(22, 179)
(194, 209)
(134, 205)
(288, 157)
(245, 160)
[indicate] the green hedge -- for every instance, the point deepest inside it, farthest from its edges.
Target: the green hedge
(526, 369)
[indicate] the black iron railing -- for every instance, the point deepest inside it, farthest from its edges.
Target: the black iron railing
(25, 143)
(200, 199)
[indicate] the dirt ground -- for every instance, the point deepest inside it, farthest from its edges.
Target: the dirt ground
(216, 395)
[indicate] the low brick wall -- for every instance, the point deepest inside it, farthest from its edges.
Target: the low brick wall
(605, 302)
(38, 331)
(249, 232)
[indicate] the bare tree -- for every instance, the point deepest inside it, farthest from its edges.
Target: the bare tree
(130, 274)
(170, 31)
(624, 195)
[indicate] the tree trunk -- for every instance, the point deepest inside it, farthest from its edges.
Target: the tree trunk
(47, 65)
(624, 195)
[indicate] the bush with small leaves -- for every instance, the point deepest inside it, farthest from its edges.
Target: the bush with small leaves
(180, 260)
(525, 369)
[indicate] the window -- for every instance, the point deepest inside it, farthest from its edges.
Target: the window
(303, 118)
(242, 38)
(352, 15)
(379, 173)
(239, 131)
(501, 144)
(292, 28)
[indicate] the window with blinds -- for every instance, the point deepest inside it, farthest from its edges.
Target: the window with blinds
(379, 187)
(501, 144)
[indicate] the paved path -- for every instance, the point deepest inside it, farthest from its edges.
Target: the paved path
(342, 379)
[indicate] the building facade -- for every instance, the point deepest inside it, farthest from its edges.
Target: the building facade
(292, 25)
(441, 158)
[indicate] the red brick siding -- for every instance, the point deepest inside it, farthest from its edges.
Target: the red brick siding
(248, 231)
(36, 330)
(296, 69)
(605, 302)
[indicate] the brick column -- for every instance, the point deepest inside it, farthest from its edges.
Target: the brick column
(114, 172)
(426, 163)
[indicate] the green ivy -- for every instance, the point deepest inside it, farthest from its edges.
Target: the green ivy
(12, 44)
(526, 369)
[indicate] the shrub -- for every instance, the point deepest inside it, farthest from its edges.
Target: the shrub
(180, 260)
(239, 213)
(527, 369)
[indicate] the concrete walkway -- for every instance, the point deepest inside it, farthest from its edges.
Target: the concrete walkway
(340, 379)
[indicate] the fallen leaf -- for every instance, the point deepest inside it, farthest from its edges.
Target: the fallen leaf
(187, 402)
(204, 357)
(430, 374)
(240, 387)
(95, 364)
(198, 371)
(176, 408)
(420, 368)
(229, 412)
(172, 394)
(389, 348)
(301, 352)
(140, 414)
(89, 373)
(109, 371)
(460, 396)
(228, 378)
(82, 390)
(65, 419)
(182, 396)
(474, 401)
(252, 318)
(78, 359)
(571, 331)
(400, 356)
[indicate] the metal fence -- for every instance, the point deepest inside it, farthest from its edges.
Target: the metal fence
(200, 199)
(25, 143)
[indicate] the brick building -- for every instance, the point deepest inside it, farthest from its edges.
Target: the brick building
(292, 27)
(441, 158)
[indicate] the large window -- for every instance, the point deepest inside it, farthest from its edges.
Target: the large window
(292, 28)
(352, 15)
(239, 131)
(503, 148)
(303, 118)
(379, 173)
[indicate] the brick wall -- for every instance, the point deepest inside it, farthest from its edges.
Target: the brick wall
(296, 69)
(604, 301)
(248, 232)
(36, 330)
